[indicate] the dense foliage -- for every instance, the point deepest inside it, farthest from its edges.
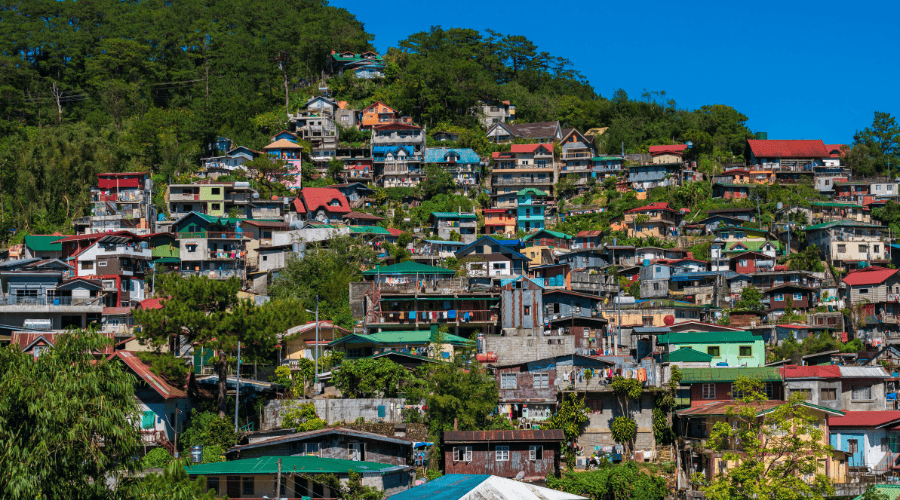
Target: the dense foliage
(303, 418)
(612, 482)
(368, 378)
(571, 417)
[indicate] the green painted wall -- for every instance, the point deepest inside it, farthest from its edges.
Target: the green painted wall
(206, 193)
(730, 352)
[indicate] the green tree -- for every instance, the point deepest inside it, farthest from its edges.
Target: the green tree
(881, 143)
(303, 418)
(572, 418)
(208, 312)
(335, 169)
(454, 396)
(368, 378)
(622, 482)
(624, 427)
(172, 484)
(207, 429)
(437, 181)
(65, 420)
(751, 300)
(779, 451)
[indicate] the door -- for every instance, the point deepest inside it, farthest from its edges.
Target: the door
(854, 444)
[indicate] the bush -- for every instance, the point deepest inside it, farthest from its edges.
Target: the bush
(207, 429)
(167, 366)
(303, 418)
(158, 458)
(213, 454)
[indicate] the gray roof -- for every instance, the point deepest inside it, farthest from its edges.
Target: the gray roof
(863, 372)
(533, 130)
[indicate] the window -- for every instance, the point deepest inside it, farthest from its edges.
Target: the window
(265, 258)
(876, 248)
(87, 264)
(595, 405)
(806, 393)
(828, 394)
(535, 452)
(216, 206)
(745, 350)
(863, 248)
(508, 381)
(798, 296)
(852, 445)
(353, 353)
(101, 263)
(779, 297)
(541, 380)
(742, 263)
(709, 391)
(462, 453)
(713, 351)
(527, 310)
(501, 454)
(247, 486)
(861, 392)
(216, 191)
(354, 452)
(863, 290)
(212, 484)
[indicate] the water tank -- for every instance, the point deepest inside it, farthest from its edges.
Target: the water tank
(196, 454)
(779, 205)
(762, 136)
(241, 184)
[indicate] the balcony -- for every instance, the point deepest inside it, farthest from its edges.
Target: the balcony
(215, 274)
(575, 168)
(238, 198)
(183, 197)
(426, 317)
(12, 303)
(545, 181)
(210, 235)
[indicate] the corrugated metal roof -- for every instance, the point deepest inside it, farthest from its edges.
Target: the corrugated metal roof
(507, 435)
(409, 267)
(688, 355)
(729, 374)
(470, 487)
(890, 491)
(269, 465)
(708, 337)
(438, 155)
(865, 419)
(863, 372)
(300, 436)
(153, 380)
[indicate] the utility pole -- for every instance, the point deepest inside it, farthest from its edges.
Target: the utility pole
(278, 481)
(317, 340)
(237, 389)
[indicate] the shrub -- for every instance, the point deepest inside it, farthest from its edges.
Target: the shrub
(158, 458)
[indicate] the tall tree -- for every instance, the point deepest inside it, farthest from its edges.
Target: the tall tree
(881, 143)
(209, 313)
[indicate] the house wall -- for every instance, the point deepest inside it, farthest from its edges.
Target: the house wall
(876, 293)
(336, 410)
(484, 459)
(815, 387)
(525, 390)
(514, 302)
(875, 403)
(869, 450)
(336, 446)
(803, 303)
(598, 433)
(729, 352)
(264, 485)
(521, 349)
(167, 413)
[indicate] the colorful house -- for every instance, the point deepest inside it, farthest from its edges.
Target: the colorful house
(499, 221)
(668, 153)
(726, 348)
(655, 219)
(428, 343)
(530, 209)
(378, 113)
(463, 164)
(871, 439)
(325, 205)
(290, 152)
(792, 155)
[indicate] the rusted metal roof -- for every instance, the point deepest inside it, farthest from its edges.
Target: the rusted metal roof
(300, 436)
(153, 380)
(517, 435)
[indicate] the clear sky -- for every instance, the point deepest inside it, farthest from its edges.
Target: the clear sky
(799, 69)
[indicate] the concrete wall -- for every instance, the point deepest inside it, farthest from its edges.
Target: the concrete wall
(336, 446)
(336, 410)
(815, 387)
(875, 403)
(598, 433)
(515, 349)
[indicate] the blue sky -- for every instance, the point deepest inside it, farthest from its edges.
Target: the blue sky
(798, 69)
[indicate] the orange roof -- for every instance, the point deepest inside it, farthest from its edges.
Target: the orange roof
(163, 388)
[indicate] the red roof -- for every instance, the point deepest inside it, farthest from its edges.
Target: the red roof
(788, 149)
(835, 147)
(588, 234)
(869, 276)
(315, 198)
(298, 206)
(824, 371)
(362, 216)
(395, 126)
(155, 382)
(97, 236)
(865, 419)
(495, 210)
(529, 148)
(151, 304)
(663, 205)
(394, 231)
(668, 148)
(735, 171)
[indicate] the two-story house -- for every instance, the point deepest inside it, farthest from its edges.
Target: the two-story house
(219, 199)
(871, 440)
(846, 243)
(379, 113)
(646, 177)
(830, 211)
(668, 153)
(531, 207)
(444, 224)
(588, 239)
(315, 123)
(499, 221)
(45, 295)
(655, 219)
(734, 176)
(732, 348)
(533, 454)
(524, 166)
(365, 65)
(798, 297)
(495, 112)
(792, 155)
(751, 262)
(577, 158)
(325, 205)
(522, 305)
(210, 246)
(731, 191)
(398, 152)
(875, 291)
(233, 160)
(290, 152)
(463, 164)
(853, 192)
(487, 260)
(121, 201)
(118, 259)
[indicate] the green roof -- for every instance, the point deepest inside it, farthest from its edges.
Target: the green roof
(400, 337)
(732, 184)
(708, 337)
(269, 465)
(167, 260)
(554, 233)
(534, 191)
(834, 204)
(409, 267)
(43, 243)
(729, 374)
(453, 215)
(688, 355)
(729, 228)
(606, 158)
(838, 223)
(890, 491)
(369, 230)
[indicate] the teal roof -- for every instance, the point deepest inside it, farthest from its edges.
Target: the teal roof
(409, 267)
(732, 184)
(708, 337)
(607, 158)
(729, 374)
(369, 230)
(688, 355)
(890, 491)
(43, 243)
(835, 204)
(534, 191)
(167, 260)
(401, 337)
(728, 228)
(556, 234)
(269, 465)
(452, 215)
(839, 223)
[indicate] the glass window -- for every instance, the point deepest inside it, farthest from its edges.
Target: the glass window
(462, 453)
(861, 392)
(745, 350)
(535, 452)
(541, 380)
(709, 391)
(502, 454)
(508, 381)
(798, 296)
(713, 351)
(828, 394)
(863, 248)
(779, 297)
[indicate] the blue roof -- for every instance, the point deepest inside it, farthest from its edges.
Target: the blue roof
(728, 228)
(501, 245)
(700, 274)
(384, 150)
(448, 487)
(439, 242)
(437, 155)
(537, 281)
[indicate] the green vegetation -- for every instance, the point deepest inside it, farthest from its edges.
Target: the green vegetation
(368, 378)
(572, 418)
(823, 342)
(303, 418)
(876, 149)
(612, 482)
(207, 429)
(751, 300)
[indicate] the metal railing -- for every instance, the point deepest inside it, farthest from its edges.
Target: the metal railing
(403, 317)
(13, 300)
(215, 274)
(523, 182)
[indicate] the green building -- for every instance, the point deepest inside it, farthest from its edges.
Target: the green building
(732, 348)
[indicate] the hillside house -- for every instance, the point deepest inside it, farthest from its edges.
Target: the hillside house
(524, 166)
(398, 151)
(379, 113)
(655, 219)
(730, 191)
(646, 177)
(846, 243)
(463, 164)
(871, 439)
(501, 221)
(121, 201)
(531, 206)
(365, 65)
(218, 199)
(503, 453)
(119, 260)
(576, 159)
(734, 349)
(291, 153)
(332, 442)
(791, 155)
(446, 223)
(668, 153)
(489, 259)
(491, 113)
(325, 205)
(876, 291)
(540, 132)
(522, 305)
(210, 246)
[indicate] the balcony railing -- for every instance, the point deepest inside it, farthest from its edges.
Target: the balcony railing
(215, 274)
(211, 235)
(461, 316)
(523, 182)
(183, 197)
(13, 300)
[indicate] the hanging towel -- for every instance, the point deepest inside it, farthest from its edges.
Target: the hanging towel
(451, 313)
(412, 315)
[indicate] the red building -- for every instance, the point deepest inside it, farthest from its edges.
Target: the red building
(503, 453)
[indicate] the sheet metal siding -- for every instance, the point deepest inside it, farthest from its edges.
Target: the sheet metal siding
(514, 302)
(335, 446)
(484, 460)
(525, 385)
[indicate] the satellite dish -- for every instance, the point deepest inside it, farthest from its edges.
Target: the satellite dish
(520, 476)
